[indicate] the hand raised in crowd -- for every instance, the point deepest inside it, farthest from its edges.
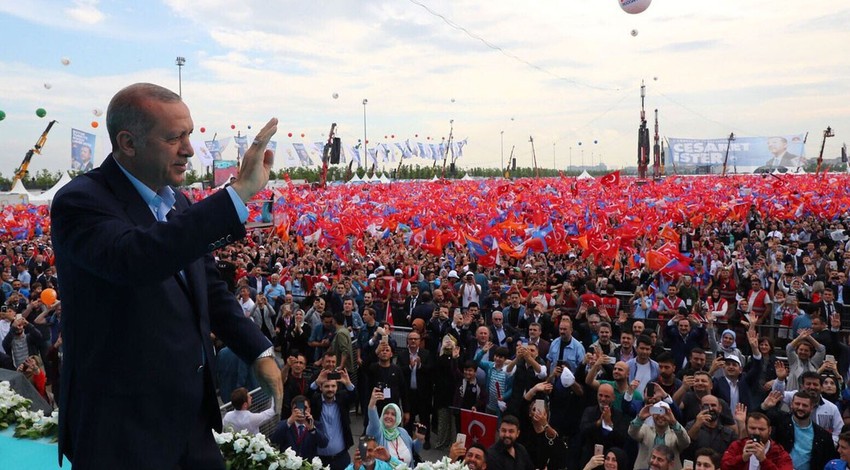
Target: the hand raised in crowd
(772, 399)
(781, 370)
(741, 412)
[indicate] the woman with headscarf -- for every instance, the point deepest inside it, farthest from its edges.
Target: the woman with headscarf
(388, 432)
(614, 459)
(726, 347)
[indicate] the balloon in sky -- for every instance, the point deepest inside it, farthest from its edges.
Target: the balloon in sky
(655, 78)
(94, 124)
(203, 129)
(634, 32)
(249, 126)
(2, 115)
(634, 7)
(335, 95)
(66, 61)
(41, 112)
(47, 86)
(97, 111)
(453, 100)
(233, 126)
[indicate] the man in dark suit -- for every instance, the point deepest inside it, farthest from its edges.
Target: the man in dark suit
(331, 408)
(417, 363)
(502, 334)
(257, 281)
(603, 424)
(747, 384)
(141, 294)
(299, 431)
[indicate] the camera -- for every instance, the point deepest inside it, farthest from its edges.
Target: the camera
(334, 375)
(755, 438)
(712, 415)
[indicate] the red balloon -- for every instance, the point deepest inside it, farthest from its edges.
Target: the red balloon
(392, 136)
(385, 137)
(233, 126)
(203, 129)
(48, 296)
(290, 134)
(95, 124)
(302, 135)
(367, 141)
(415, 135)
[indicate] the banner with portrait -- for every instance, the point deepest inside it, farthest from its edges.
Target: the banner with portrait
(746, 154)
(82, 150)
(223, 170)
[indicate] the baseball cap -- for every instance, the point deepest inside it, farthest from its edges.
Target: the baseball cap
(398, 271)
(733, 357)
(453, 274)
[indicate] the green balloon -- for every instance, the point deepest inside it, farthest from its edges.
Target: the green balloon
(2, 115)
(40, 112)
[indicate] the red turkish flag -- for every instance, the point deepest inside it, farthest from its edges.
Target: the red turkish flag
(611, 179)
(478, 427)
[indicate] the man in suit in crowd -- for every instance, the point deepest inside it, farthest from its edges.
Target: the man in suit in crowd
(331, 408)
(417, 364)
(141, 294)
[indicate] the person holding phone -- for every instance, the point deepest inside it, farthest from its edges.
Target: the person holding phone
(614, 459)
(664, 429)
(299, 431)
(388, 432)
(756, 449)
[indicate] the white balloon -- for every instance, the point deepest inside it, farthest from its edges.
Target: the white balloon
(66, 61)
(634, 32)
(655, 78)
(48, 86)
(335, 95)
(634, 7)
(453, 100)
(97, 111)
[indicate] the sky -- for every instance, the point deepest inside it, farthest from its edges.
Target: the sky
(566, 73)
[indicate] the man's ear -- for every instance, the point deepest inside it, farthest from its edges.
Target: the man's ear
(126, 143)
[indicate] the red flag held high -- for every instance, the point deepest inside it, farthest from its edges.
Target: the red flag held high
(611, 179)
(479, 428)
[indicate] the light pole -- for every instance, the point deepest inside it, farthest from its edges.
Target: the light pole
(365, 148)
(180, 62)
(571, 157)
(554, 165)
(502, 136)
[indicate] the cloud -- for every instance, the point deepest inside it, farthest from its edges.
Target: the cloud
(86, 11)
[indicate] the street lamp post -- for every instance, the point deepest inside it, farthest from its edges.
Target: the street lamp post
(365, 148)
(180, 62)
(502, 137)
(554, 165)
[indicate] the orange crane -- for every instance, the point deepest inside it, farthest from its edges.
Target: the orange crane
(21, 172)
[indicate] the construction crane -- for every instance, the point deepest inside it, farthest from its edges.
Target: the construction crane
(21, 172)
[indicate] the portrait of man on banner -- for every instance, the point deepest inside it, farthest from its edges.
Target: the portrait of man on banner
(82, 150)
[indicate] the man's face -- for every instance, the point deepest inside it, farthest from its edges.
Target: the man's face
(604, 334)
(348, 306)
(828, 296)
(497, 320)
(666, 370)
(473, 310)
(413, 340)
(621, 371)
(626, 341)
(605, 395)
(160, 157)
(593, 321)
(469, 374)
(367, 298)
(329, 389)
(801, 407)
(672, 291)
(776, 145)
(385, 353)
(534, 331)
(508, 434)
(643, 351)
(299, 364)
(328, 323)
(658, 461)
(759, 427)
(475, 459)
(733, 369)
(811, 384)
(637, 328)
(565, 329)
(482, 334)
(514, 300)
(684, 327)
(697, 360)
(329, 362)
(438, 296)
(319, 305)
(702, 383)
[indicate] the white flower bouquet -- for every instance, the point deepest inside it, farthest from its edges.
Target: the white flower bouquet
(10, 404)
(246, 451)
(35, 425)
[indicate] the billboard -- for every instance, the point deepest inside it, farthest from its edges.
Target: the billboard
(746, 154)
(82, 150)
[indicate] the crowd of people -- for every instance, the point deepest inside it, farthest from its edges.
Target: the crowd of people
(739, 362)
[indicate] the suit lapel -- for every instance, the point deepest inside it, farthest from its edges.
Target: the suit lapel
(135, 207)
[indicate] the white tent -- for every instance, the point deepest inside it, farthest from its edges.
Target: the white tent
(434, 178)
(51, 193)
(584, 175)
(355, 179)
(19, 188)
(384, 179)
(466, 177)
(374, 178)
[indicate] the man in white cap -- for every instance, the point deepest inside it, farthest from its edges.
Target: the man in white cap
(735, 388)
(664, 429)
